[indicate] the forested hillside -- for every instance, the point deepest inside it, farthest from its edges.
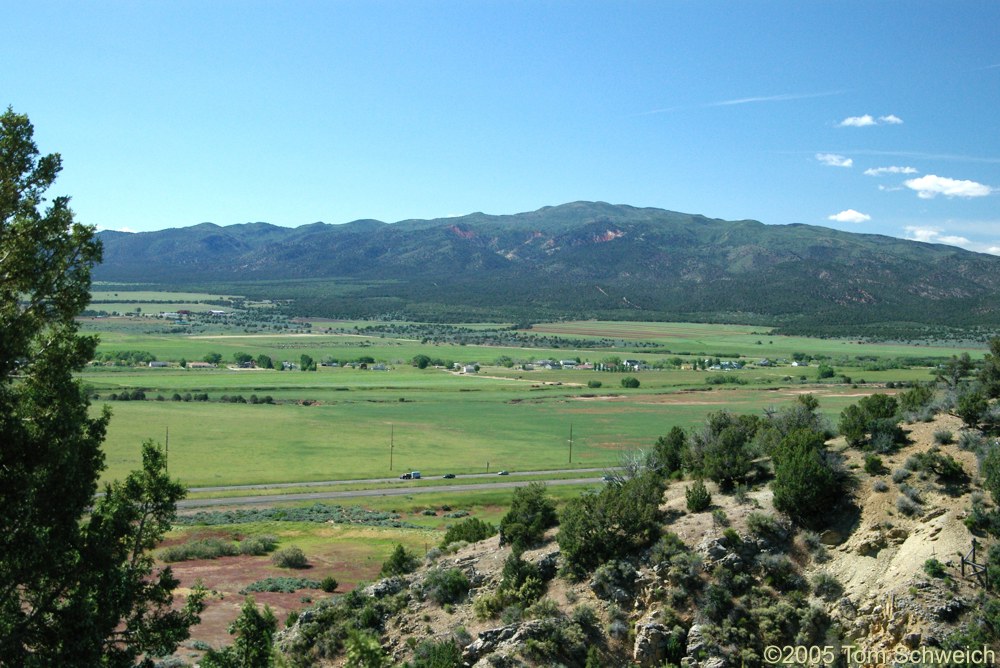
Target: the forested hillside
(584, 259)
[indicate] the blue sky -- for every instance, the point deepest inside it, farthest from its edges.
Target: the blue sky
(863, 116)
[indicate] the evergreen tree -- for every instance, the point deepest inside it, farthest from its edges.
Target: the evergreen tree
(805, 485)
(74, 591)
(530, 514)
(253, 647)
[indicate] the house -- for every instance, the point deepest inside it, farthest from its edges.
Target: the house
(469, 368)
(380, 367)
(157, 365)
(199, 365)
(567, 364)
(633, 365)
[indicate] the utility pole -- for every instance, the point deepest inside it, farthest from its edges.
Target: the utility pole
(392, 433)
(570, 442)
(166, 451)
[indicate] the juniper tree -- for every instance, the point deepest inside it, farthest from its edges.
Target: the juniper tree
(76, 587)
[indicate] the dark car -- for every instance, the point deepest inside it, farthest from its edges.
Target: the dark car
(449, 476)
(502, 473)
(406, 476)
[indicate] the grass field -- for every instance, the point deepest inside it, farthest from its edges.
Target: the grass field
(337, 423)
(435, 421)
(742, 339)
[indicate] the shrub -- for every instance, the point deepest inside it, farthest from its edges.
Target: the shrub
(471, 530)
(290, 557)
(258, 545)
(520, 586)
(899, 475)
(436, 654)
(780, 572)
(666, 548)
(765, 526)
(593, 384)
(614, 581)
(944, 466)
(630, 382)
(329, 584)
(698, 497)
(446, 585)
(827, 586)
(906, 506)
(530, 514)
(915, 399)
(873, 464)
(872, 421)
(935, 568)
(943, 437)
(880, 486)
(971, 440)
(719, 518)
(613, 523)
(400, 562)
(542, 608)
(282, 585)
(912, 493)
(205, 548)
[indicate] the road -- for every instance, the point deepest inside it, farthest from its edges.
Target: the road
(405, 488)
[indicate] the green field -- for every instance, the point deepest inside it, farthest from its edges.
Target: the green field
(339, 423)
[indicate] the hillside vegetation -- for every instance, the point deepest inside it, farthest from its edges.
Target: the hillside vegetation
(593, 259)
(714, 586)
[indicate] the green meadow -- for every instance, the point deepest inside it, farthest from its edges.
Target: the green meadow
(341, 423)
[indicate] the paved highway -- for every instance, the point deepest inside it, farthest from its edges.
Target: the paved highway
(400, 488)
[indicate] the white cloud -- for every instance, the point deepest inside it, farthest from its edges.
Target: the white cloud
(868, 120)
(932, 235)
(857, 121)
(879, 171)
(850, 216)
(931, 185)
(926, 234)
(993, 250)
(834, 160)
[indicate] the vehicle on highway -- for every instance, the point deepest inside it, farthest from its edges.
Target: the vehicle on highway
(448, 476)
(406, 476)
(502, 473)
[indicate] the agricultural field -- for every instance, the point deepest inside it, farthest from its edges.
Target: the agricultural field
(340, 423)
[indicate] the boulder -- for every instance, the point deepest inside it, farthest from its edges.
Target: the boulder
(695, 641)
(831, 537)
(652, 639)
(386, 587)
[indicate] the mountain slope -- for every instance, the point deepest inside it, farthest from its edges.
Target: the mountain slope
(584, 259)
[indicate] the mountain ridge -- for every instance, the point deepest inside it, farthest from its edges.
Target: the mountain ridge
(568, 261)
